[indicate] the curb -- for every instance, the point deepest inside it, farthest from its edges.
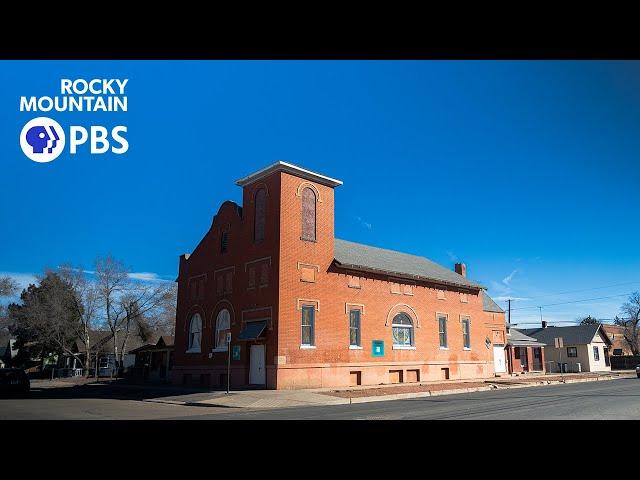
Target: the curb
(492, 386)
(404, 396)
(428, 393)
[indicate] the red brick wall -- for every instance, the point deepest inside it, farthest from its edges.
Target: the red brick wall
(242, 302)
(332, 362)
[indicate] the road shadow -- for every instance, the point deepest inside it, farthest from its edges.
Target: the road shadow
(119, 389)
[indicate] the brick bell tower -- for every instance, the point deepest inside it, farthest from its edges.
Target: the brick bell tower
(299, 235)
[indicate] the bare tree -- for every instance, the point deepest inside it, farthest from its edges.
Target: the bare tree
(8, 287)
(631, 318)
(112, 280)
(164, 318)
(141, 306)
(127, 304)
(85, 302)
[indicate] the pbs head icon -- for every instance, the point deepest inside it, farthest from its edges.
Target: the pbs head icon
(42, 139)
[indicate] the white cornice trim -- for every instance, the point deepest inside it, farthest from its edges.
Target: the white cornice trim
(281, 166)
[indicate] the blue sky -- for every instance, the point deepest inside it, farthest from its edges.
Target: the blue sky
(527, 171)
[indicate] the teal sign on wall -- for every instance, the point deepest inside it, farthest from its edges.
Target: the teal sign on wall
(235, 352)
(377, 348)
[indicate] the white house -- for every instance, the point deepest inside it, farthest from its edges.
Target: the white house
(585, 348)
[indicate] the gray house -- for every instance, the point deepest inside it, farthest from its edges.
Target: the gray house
(586, 348)
(6, 350)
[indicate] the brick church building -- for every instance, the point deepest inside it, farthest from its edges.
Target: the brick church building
(308, 310)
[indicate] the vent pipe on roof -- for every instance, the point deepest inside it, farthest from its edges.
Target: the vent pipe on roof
(461, 269)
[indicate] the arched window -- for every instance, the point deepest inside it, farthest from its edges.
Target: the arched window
(402, 329)
(308, 214)
(223, 326)
(195, 333)
(260, 215)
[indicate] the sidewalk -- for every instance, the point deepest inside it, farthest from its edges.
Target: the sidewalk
(266, 399)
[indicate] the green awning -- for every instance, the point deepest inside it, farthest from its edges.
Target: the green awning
(252, 330)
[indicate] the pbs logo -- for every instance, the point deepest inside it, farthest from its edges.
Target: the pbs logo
(42, 139)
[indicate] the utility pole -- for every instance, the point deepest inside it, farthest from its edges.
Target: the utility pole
(509, 316)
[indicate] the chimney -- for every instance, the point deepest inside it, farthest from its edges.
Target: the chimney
(544, 324)
(461, 269)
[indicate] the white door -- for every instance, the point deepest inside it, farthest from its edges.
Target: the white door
(257, 375)
(498, 359)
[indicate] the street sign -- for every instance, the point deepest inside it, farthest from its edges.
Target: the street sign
(377, 348)
(228, 360)
(559, 342)
(236, 352)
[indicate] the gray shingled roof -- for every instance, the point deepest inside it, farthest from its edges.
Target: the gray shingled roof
(488, 305)
(517, 338)
(573, 335)
(358, 256)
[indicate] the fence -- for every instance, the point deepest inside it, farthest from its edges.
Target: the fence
(624, 362)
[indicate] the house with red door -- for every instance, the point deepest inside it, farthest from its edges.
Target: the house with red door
(270, 291)
(524, 353)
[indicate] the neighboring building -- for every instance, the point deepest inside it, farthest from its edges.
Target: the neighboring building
(154, 361)
(524, 353)
(101, 347)
(307, 310)
(586, 347)
(7, 352)
(619, 346)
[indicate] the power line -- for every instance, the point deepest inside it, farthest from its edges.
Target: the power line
(572, 301)
(583, 290)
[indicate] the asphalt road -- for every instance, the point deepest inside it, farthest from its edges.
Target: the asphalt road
(612, 399)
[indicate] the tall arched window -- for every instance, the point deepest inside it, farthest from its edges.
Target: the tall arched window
(223, 325)
(402, 329)
(260, 215)
(308, 214)
(195, 333)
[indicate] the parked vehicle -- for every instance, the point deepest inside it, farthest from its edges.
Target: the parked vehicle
(14, 380)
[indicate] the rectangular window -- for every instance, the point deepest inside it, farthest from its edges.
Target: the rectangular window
(440, 295)
(252, 277)
(228, 282)
(442, 330)
(596, 354)
(572, 352)
(193, 290)
(354, 328)
(464, 298)
(617, 351)
(466, 335)
(354, 282)
(395, 287)
(308, 321)
(224, 242)
(264, 275)
(407, 289)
